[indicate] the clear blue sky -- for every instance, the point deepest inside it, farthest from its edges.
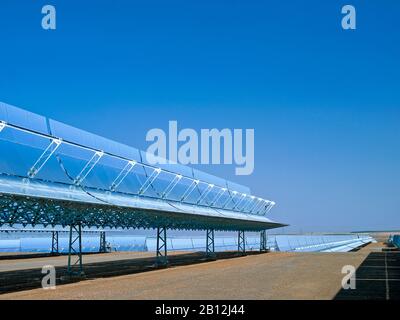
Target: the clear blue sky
(324, 102)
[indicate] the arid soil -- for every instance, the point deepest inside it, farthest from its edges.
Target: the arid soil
(264, 276)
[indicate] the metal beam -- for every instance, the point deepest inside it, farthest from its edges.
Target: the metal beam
(270, 205)
(162, 259)
(258, 208)
(263, 241)
(218, 196)
(205, 193)
(171, 186)
(241, 242)
(189, 190)
(88, 167)
(103, 244)
(256, 204)
(153, 176)
(122, 175)
(44, 157)
(210, 247)
(249, 205)
(75, 250)
(54, 242)
(263, 207)
(240, 201)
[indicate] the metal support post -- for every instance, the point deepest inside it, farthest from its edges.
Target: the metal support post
(210, 247)
(103, 245)
(162, 258)
(54, 242)
(241, 242)
(263, 241)
(75, 249)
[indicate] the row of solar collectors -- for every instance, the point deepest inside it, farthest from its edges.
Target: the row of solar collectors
(25, 154)
(124, 243)
(329, 243)
(324, 243)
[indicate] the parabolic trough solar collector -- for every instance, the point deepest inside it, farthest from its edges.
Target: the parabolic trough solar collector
(55, 174)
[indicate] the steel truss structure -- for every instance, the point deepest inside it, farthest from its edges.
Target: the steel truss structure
(75, 250)
(162, 259)
(263, 241)
(32, 211)
(54, 242)
(52, 174)
(241, 242)
(103, 243)
(210, 246)
(55, 236)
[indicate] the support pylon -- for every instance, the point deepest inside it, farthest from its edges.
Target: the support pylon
(263, 241)
(241, 242)
(210, 247)
(54, 242)
(75, 251)
(103, 244)
(162, 258)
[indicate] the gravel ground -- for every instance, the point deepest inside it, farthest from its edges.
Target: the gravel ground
(266, 276)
